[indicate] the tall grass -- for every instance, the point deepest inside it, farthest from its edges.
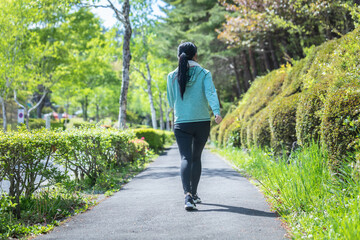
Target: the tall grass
(316, 202)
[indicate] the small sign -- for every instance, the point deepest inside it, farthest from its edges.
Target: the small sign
(21, 115)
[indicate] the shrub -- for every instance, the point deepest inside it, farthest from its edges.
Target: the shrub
(168, 136)
(340, 123)
(151, 136)
(232, 135)
(89, 151)
(308, 114)
(36, 123)
(83, 124)
(282, 123)
(214, 133)
(25, 160)
(261, 128)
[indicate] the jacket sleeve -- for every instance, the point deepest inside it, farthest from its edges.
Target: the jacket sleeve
(211, 95)
(170, 92)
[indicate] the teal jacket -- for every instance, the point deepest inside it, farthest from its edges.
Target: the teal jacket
(200, 92)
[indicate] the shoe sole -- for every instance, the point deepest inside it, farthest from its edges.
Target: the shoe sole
(197, 201)
(190, 207)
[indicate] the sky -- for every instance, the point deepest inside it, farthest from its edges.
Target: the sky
(108, 17)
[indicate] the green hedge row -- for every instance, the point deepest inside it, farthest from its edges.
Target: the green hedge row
(31, 158)
(157, 139)
(316, 98)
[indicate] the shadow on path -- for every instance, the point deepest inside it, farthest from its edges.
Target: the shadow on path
(240, 210)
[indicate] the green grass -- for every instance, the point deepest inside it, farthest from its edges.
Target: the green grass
(314, 201)
(40, 212)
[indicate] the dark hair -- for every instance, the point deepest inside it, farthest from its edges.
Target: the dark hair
(186, 52)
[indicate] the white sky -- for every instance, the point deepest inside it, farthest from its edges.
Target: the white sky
(107, 14)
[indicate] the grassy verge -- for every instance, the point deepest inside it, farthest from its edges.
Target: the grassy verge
(316, 202)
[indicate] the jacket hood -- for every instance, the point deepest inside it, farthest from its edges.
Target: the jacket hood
(193, 73)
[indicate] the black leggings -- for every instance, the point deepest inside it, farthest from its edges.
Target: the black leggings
(191, 139)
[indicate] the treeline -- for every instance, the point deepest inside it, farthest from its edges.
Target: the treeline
(58, 56)
(317, 98)
(242, 39)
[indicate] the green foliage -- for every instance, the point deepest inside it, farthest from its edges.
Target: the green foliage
(40, 211)
(24, 156)
(315, 202)
(340, 124)
(36, 123)
(261, 128)
(156, 138)
(282, 120)
(101, 159)
(308, 114)
(317, 96)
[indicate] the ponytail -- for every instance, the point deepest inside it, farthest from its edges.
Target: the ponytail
(186, 52)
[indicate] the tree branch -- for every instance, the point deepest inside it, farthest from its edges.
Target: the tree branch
(119, 15)
(15, 98)
(142, 74)
(42, 98)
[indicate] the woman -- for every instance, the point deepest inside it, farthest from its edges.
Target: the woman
(190, 91)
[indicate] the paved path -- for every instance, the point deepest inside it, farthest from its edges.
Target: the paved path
(151, 206)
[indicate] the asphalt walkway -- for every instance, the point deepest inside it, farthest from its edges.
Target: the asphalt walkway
(151, 206)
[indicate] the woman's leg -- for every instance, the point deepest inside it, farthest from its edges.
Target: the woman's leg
(200, 139)
(184, 141)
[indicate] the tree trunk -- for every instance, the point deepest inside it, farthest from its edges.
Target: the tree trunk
(246, 71)
(168, 110)
(161, 112)
(273, 55)
(3, 104)
(252, 63)
(39, 109)
(265, 57)
(151, 99)
(27, 113)
(84, 105)
(237, 77)
(97, 113)
(126, 64)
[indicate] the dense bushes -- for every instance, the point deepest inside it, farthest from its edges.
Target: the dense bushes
(93, 159)
(316, 98)
(157, 139)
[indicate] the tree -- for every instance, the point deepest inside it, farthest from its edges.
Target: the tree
(123, 16)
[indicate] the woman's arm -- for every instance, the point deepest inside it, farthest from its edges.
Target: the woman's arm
(170, 92)
(211, 95)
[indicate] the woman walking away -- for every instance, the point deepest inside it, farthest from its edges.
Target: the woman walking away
(190, 91)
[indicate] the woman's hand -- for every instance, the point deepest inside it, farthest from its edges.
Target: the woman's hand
(218, 119)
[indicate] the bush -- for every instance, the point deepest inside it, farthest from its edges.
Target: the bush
(261, 128)
(26, 156)
(282, 123)
(168, 136)
(83, 124)
(340, 124)
(308, 114)
(36, 123)
(89, 151)
(152, 136)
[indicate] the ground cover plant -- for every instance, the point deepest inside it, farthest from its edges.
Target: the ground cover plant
(56, 174)
(315, 201)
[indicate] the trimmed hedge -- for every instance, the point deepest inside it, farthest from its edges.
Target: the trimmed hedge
(26, 155)
(282, 120)
(316, 98)
(340, 124)
(308, 114)
(156, 138)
